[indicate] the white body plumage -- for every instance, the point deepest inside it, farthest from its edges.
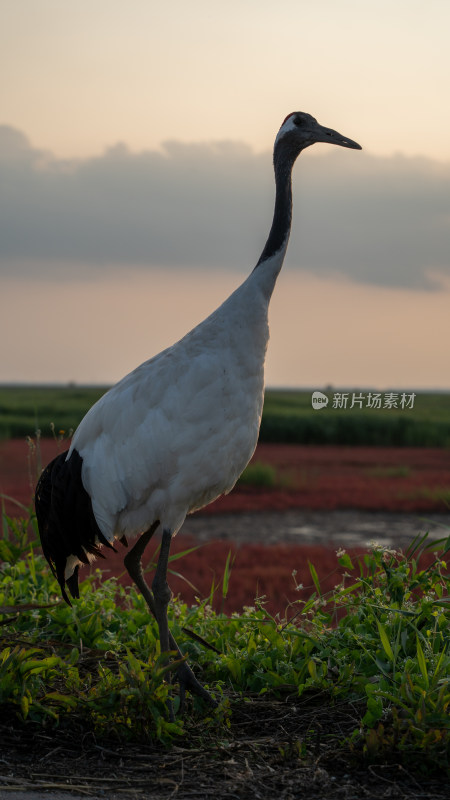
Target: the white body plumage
(178, 431)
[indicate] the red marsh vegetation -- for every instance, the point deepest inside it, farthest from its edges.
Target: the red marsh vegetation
(302, 477)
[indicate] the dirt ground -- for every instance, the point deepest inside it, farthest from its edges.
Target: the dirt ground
(285, 749)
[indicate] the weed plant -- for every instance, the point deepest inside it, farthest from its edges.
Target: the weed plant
(259, 475)
(382, 635)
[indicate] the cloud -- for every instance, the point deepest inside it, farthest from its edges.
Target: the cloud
(376, 220)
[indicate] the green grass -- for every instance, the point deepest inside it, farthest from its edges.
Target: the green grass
(400, 471)
(382, 635)
(260, 475)
(440, 493)
(288, 417)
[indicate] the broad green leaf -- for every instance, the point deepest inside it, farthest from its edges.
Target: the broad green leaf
(345, 561)
(312, 669)
(62, 699)
(24, 705)
(422, 662)
(385, 641)
(315, 577)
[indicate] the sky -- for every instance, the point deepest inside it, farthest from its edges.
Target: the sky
(136, 186)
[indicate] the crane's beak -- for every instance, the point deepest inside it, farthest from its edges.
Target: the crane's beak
(322, 134)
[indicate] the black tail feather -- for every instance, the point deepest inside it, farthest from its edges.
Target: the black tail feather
(72, 584)
(66, 521)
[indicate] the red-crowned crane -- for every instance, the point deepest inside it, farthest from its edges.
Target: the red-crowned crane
(178, 431)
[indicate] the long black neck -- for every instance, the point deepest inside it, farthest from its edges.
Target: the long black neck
(283, 160)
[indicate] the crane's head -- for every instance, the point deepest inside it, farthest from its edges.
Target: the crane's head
(300, 130)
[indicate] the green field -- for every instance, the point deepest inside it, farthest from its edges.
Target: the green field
(25, 409)
(288, 416)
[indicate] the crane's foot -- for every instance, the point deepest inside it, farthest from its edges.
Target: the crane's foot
(187, 680)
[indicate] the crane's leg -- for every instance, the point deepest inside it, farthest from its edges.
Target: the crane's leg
(157, 601)
(161, 591)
